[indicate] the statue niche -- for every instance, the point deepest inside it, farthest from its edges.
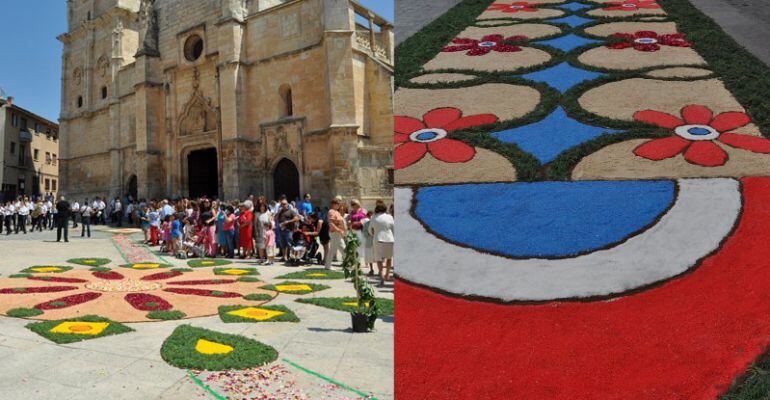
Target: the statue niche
(199, 116)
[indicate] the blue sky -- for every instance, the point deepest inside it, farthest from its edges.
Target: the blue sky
(30, 70)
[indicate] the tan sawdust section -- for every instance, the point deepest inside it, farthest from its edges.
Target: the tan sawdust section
(630, 58)
(617, 161)
(679, 72)
(653, 18)
(631, 27)
(541, 13)
(505, 101)
(436, 78)
(490, 22)
(493, 61)
(532, 31)
(486, 166)
(642, 11)
(112, 305)
(620, 100)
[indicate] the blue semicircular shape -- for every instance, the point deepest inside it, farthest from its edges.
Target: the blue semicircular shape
(543, 219)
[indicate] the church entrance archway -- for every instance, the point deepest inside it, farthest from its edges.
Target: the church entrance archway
(132, 188)
(286, 179)
(203, 173)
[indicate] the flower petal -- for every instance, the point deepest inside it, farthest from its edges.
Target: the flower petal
(400, 138)
(646, 34)
(620, 45)
(462, 47)
(407, 125)
(697, 114)
(660, 149)
(746, 142)
(471, 120)
(506, 48)
(408, 153)
(728, 121)
(479, 51)
(493, 38)
(451, 151)
(441, 116)
(658, 118)
(705, 153)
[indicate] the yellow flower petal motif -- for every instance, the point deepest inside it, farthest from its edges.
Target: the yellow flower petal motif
(317, 274)
(210, 348)
(259, 314)
(145, 266)
(208, 262)
(89, 261)
(46, 269)
(293, 288)
(352, 304)
(235, 271)
(80, 328)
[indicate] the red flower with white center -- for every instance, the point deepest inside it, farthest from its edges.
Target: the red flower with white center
(516, 6)
(648, 40)
(631, 5)
(415, 138)
(695, 135)
(487, 44)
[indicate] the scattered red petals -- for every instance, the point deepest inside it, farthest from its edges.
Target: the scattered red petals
(56, 279)
(68, 301)
(162, 275)
(204, 282)
(46, 289)
(140, 302)
(109, 275)
(201, 292)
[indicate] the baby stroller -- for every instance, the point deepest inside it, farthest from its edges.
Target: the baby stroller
(195, 244)
(298, 248)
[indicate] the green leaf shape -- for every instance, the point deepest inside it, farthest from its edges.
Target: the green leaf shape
(168, 315)
(96, 261)
(203, 262)
(43, 329)
(314, 287)
(385, 306)
(221, 271)
(287, 316)
(23, 312)
(179, 350)
(258, 297)
(31, 270)
(314, 273)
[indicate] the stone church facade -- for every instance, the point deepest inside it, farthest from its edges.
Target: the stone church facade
(226, 98)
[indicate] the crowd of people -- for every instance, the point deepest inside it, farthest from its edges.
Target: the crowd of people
(294, 232)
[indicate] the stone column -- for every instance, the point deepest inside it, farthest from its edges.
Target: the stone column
(338, 42)
(149, 126)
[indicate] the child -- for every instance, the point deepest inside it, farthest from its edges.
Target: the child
(153, 217)
(176, 235)
(269, 238)
(166, 234)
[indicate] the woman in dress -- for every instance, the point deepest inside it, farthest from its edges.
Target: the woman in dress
(355, 222)
(208, 218)
(221, 236)
(245, 242)
(381, 227)
(265, 218)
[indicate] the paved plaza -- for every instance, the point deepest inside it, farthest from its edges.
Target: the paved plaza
(318, 357)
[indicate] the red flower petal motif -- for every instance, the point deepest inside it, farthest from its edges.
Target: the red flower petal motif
(746, 142)
(204, 282)
(202, 292)
(646, 40)
(697, 115)
(728, 121)
(147, 302)
(108, 275)
(440, 117)
(516, 6)
(487, 44)
(43, 289)
(56, 279)
(630, 5)
(660, 149)
(408, 153)
(162, 275)
(68, 301)
(469, 121)
(705, 153)
(407, 125)
(661, 119)
(451, 151)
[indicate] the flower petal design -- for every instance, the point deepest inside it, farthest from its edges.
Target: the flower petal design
(471, 120)
(496, 37)
(451, 151)
(506, 48)
(440, 117)
(661, 119)
(479, 51)
(746, 142)
(697, 114)
(408, 153)
(459, 48)
(407, 125)
(620, 45)
(728, 121)
(400, 138)
(705, 153)
(660, 149)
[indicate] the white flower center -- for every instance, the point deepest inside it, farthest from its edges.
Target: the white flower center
(487, 44)
(629, 5)
(427, 135)
(697, 132)
(646, 41)
(516, 7)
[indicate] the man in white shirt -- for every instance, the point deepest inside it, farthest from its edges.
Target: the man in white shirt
(75, 211)
(85, 221)
(21, 220)
(166, 210)
(7, 214)
(117, 212)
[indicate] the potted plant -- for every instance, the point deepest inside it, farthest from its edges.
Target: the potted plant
(367, 311)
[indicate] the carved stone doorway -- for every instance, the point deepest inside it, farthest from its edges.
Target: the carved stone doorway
(286, 180)
(203, 173)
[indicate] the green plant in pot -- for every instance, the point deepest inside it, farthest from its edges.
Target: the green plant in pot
(367, 311)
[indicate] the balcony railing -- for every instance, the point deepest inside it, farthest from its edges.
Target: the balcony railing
(25, 136)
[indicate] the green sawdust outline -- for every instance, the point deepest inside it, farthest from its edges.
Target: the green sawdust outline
(529, 168)
(79, 261)
(176, 354)
(218, 262)
(303, 274)
(386, 305)
(160, 266)
(42, 329)
(314, 286)
(252, 272)
(287, 316)
(729, 62)
(29, 270)
(165, 315)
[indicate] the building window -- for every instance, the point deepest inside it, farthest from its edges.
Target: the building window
(48, 158)
(53, 159)
(53, 185)
(287, 106)
(55, 136)
(36, 154)
(193, 48)
(13, 147)
(23, 124)
(15, 120)
(80, 101)
(37, 128)
(22, 156)
(104, 92)
(47, 184)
